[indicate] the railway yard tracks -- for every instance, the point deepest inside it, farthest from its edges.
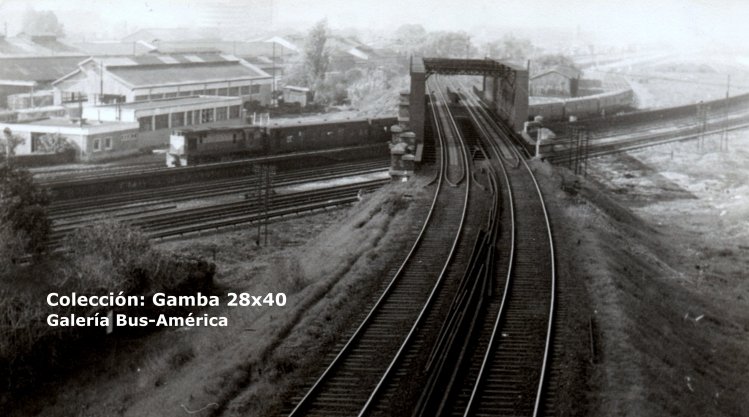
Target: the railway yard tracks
(182, 209)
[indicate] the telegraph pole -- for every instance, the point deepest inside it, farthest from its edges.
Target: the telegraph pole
(724, 135)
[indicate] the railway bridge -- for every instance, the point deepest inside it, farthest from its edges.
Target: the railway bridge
(504, 88)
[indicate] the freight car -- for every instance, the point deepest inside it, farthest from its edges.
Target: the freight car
(585, 107)
(196, 145)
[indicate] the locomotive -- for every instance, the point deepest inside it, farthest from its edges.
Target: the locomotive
(196, 145)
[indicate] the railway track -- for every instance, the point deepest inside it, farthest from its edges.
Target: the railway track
(145, 200)
(177, 223)
(359, 372)
(504, 373)
(609, 146)
(151, 171)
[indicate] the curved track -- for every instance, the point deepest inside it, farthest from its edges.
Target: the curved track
(516, 334)
(346, 387)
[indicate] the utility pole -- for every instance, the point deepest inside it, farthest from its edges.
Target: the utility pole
(702, 110)
(577, 160)
(270, 171)
(264, 176)
(724, 135)
(258, 171)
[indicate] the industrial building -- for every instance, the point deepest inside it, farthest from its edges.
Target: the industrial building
(559, 81)
(154, 119)
(91, 140)
(30, 75)
(99, 81)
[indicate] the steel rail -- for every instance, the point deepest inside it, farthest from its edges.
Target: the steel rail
(422, 314)
(308, 397)
(552, 301)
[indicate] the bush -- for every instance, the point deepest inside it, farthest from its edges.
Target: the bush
(12, 247)
(23, 207)
(111, 256)
(104, 256)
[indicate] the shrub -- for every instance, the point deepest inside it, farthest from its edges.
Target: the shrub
(23, 207)
(106, 256)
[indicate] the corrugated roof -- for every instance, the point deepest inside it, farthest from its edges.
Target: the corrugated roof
(157, 59)
(35, 46)
(171, 34)
(143, 76)
(38, 69)
(112, 48)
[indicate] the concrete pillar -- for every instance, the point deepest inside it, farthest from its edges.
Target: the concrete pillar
(417, 108)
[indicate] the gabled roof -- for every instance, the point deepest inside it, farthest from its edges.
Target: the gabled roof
(114, 48)
(36, 46)
(141, 76)
(171, 34)
(283, 42)
(37, 69)
(156, 70)
(566, 72)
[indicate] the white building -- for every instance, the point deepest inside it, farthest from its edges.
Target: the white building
(151, 77)
(156, 118)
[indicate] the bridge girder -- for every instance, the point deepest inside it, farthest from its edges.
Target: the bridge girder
(451, 66)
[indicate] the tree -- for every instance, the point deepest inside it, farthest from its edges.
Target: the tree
(410, 38)
(449, 45)
(9, 142)
(42, 22)
(316, 54)
(510, 48)
(546, 62)
(23, 207)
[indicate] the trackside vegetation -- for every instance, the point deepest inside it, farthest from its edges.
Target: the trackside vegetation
(97, 260)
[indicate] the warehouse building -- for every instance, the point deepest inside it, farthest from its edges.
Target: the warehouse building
(29, 76)
(560, 81)
(101, 81)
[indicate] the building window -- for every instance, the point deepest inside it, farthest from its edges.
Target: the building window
(206, 116)
(234, 91)
(185, 93)
(211, 92)
(145, 124)
(245, 90)
(196, 117)
(170, 95)
(255, 89)
(97, 145)
(233, 112)
(223, 92)
(141, 98)
(69, 97)
(220, 113)
(178, 119)
(161, 122)
(129, 137)
(156, 96)
(107, 143)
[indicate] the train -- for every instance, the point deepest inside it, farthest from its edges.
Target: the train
(598, 105)
(197, 145)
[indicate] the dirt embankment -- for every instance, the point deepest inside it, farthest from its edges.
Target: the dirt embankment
(667, 290)
(328, 264)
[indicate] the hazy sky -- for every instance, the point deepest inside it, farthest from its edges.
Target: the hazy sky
(677, 21)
